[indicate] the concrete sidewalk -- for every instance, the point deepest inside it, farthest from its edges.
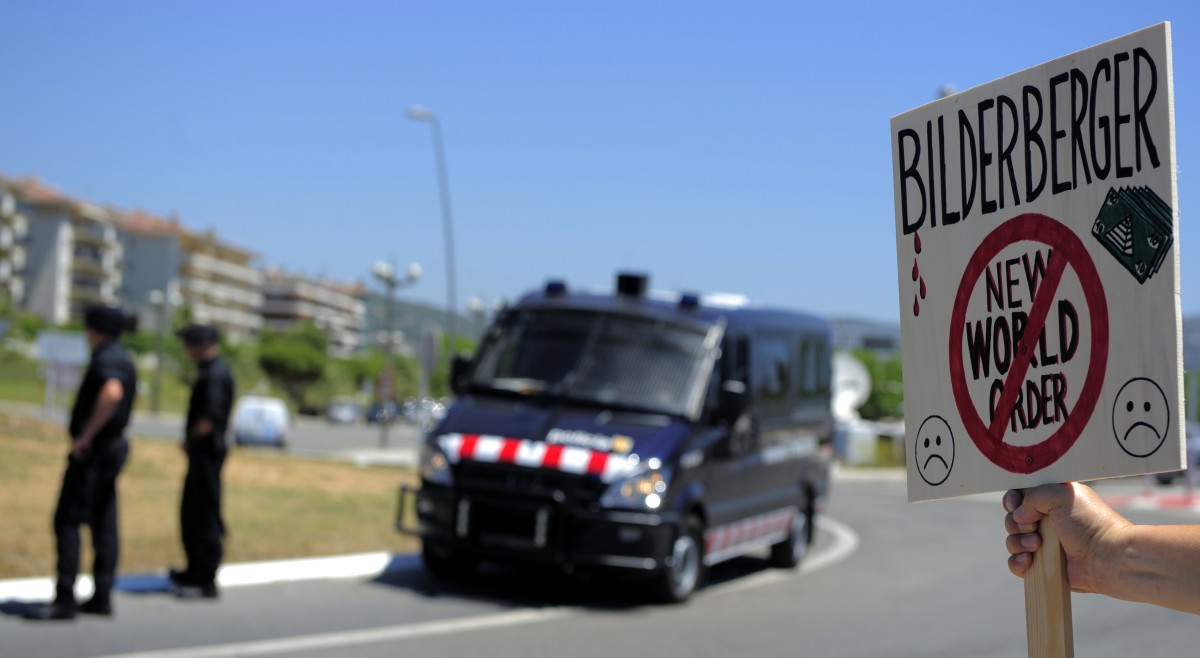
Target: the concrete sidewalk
(361, 565)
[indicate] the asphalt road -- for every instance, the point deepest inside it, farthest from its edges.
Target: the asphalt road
(314, 436)
(886, 578)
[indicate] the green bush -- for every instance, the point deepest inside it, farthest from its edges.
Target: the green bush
(294, 360)
(886, 400)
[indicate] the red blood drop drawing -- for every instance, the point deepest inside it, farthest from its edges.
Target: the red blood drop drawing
(916, 271)
(916, 306)
(922, 287)
(917, 242)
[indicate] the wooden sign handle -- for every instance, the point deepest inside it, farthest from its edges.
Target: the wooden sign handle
(1048, 600)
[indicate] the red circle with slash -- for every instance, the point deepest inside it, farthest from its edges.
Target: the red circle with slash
(1066, 250)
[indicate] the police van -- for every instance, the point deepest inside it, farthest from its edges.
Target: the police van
(651, 433)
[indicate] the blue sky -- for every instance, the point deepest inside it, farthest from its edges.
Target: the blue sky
(735, 147)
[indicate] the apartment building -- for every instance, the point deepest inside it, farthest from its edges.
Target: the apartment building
(14, 233)
(218, 281)
(72, 254)
(336, 308)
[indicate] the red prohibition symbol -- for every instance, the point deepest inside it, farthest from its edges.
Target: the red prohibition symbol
(1066, 250)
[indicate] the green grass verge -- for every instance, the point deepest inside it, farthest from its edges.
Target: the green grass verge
(275, 506)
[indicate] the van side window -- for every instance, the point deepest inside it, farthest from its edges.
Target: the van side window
(814, 365)
(734, 359)
(772, 367)
(824, 368)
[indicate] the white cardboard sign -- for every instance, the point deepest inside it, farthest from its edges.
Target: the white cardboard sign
(1037, 247)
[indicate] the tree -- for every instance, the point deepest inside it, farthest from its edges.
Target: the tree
(22, 326)
(439, 379)
(363, 368)
(366, 368)
(294, 359)
(140, 343)
(887, 388)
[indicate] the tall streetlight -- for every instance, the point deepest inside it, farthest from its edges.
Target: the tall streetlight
(162, 303)
(159, 301)
(418, 113)
(386, 274)
(477, 308)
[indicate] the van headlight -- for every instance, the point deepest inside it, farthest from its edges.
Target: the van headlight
(435, 467)
(645, 491)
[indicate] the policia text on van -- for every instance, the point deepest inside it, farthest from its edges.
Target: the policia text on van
(649, 434)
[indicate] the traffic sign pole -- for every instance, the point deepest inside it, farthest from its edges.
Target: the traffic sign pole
(1048, 624)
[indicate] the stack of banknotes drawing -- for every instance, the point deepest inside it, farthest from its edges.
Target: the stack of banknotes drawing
(1135, 225)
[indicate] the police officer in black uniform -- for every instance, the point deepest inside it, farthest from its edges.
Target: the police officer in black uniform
(204, 442)
(98, 452)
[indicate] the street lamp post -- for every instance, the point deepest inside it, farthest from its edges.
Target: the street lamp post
(477, 308)
(385, 273)
(158, 300)
(418, 113)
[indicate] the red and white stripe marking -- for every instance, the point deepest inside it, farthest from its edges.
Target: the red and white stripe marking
(1156, 501)
(491, 449)
(741, 537)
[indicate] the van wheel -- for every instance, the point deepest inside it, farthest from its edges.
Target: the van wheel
(789, 553)
(444, 564)
(684, 572)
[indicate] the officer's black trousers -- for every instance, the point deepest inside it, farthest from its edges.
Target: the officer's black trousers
(89, 495)
(200, 512)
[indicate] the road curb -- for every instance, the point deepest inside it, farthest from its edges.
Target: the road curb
(858, 474)
(361, 565)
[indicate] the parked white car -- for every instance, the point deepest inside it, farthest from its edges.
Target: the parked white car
(261, 420)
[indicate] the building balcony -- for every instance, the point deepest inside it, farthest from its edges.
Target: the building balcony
(202, 264)
(221, 294)
(16, 288)
(88, 294)
(14, 256)
(18, 224)
(294, 310)
(88, 265)
(95, 235)
(316, 294)
(289, 309)
(227, 318)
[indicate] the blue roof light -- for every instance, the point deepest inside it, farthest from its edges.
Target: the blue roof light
(689, 301)
(555, 287)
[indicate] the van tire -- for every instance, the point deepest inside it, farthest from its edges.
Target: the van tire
(789, 553)
(684, 572)
(446, 565)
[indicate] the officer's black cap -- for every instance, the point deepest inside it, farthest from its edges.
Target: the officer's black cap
(107, 320)
(199, 335)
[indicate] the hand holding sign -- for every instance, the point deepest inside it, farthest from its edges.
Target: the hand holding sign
(1087, 528)
(1099, 544)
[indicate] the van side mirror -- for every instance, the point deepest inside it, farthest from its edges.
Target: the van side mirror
(460, 370)
(732, 400)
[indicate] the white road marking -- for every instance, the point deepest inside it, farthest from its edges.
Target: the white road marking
(353, 638)
(360, 565)
(845, 543)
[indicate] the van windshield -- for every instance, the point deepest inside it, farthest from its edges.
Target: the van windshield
(610, 360)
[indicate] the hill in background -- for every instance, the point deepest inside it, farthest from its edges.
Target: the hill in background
(413, 317)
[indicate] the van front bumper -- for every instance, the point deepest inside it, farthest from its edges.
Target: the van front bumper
(537, 530)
